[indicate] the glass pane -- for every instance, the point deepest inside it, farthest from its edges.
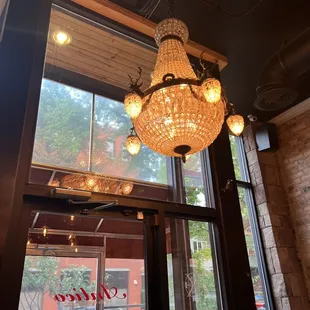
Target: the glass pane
(193, 182)
(82, 263)
(253, 260)
(53, 282)
(63, 126)
(235, 157)
(110, 157)
(191, 271)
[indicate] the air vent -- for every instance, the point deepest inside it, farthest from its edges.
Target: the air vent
(275, 99)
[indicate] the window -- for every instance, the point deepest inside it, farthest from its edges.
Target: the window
(191, 274)
(69, 135)
(250, 225)
(63, 126)
(193, 181)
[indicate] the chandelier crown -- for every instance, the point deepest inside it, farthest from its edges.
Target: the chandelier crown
(173, 28)
(172, 60)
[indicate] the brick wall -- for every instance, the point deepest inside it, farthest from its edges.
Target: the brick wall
(293, 159)
(285, 272)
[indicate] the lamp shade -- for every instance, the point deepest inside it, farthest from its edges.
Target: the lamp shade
(236, 124)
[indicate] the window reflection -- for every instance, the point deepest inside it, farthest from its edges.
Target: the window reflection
(190, 266)
(80, 144)
(63, 126)
(110, 157)
(193, 181)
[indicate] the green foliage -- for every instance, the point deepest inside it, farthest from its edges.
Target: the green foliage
(204, 277)
(41, 276)
(63, 135)
(39, 273)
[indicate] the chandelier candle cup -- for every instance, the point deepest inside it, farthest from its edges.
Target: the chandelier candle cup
(236, 124)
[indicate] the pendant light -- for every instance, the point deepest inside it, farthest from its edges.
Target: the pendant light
(180, 113)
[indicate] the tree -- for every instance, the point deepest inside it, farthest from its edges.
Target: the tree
(205, 290)
(64, 129)
(40, 277)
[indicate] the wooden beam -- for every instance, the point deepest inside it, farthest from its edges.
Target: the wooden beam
(147, 27)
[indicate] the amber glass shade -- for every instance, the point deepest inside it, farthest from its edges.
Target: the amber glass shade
(236, 124)
(212, 90)
(177, 116)
(127, 188)
(133, 105)
(133, 144)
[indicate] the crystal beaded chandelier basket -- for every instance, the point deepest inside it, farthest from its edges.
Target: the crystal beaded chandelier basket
(179, 114)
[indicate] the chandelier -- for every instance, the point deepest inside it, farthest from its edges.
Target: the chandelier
(182, 112)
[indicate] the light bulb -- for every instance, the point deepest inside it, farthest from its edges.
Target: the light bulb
(61, 37)
(44, 231)
(133, 105)
(28, 242)
(212, 90)
(127, 188)
(90, 182)
(76, 250)
(236, 124)
(72, 218)
(133, 144)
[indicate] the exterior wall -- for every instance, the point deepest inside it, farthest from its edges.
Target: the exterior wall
(278, 235)
(294, 162)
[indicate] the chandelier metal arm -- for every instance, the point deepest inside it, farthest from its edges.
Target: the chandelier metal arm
(171, 82)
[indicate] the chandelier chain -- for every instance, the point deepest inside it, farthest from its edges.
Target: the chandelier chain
(171, 11)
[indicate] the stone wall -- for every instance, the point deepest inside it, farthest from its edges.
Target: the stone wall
(285, 272)
(294, 162)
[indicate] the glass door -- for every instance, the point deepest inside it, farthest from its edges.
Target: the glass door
(83, 263)
(192, 268)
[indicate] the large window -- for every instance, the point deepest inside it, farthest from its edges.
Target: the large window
(80, 130)
(250, 225)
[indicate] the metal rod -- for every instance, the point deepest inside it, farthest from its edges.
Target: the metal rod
(98, 226)
(52, 176)
(35, 219)
(174, 81)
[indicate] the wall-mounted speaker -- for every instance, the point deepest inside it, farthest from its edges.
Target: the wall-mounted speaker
(266, 137)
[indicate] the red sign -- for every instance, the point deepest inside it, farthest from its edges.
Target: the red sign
(82, 295)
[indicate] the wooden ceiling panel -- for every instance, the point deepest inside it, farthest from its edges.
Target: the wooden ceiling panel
(97, 52)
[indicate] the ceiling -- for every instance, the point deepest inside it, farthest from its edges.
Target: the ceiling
(96, 52)
(247, 41)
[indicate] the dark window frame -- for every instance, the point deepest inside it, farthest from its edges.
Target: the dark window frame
(246, 184)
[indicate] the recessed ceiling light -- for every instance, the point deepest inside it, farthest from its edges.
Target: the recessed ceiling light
(61, 37)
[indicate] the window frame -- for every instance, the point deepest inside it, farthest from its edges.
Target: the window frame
(254, 224)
